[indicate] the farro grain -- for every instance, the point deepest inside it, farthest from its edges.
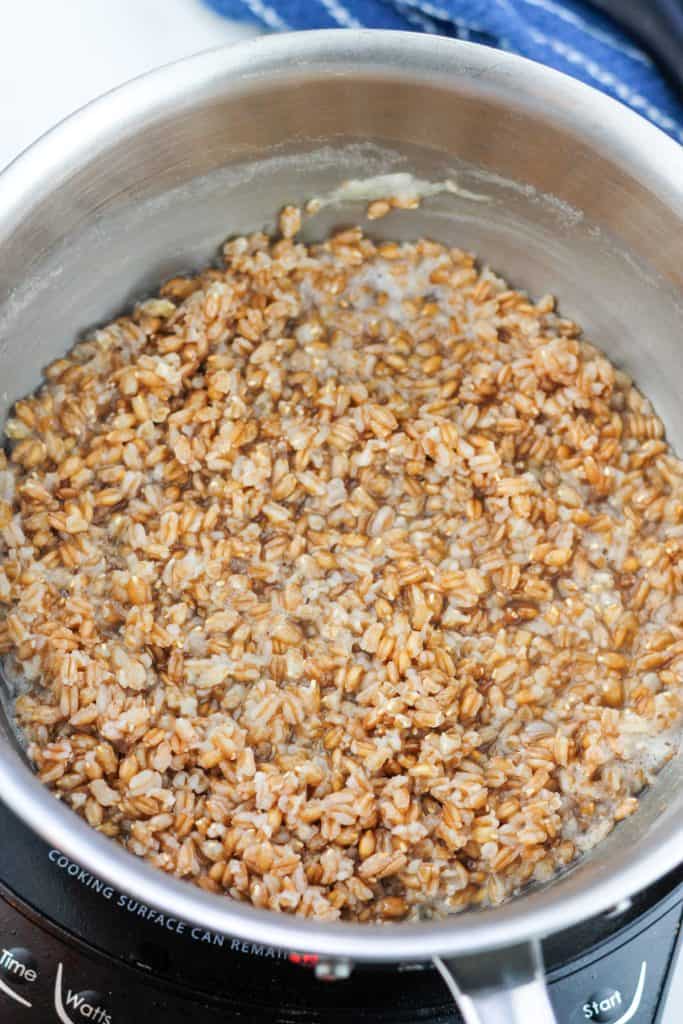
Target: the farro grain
(344, 579)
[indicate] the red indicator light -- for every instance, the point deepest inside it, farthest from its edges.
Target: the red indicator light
(304, 959)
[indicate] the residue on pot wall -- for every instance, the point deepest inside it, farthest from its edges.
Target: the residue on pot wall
(402, 187)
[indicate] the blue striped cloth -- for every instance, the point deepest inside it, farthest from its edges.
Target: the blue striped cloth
(569, 35)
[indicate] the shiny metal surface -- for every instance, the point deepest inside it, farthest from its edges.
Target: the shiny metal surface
(582, 198)
(512, 991)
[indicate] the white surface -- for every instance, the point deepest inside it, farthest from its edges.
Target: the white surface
(55, 55)
(673, 1013)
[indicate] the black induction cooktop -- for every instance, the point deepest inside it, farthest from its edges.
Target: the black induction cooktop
(74, 949)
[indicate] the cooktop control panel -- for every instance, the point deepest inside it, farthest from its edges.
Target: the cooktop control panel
(627, 983)
(49, 976)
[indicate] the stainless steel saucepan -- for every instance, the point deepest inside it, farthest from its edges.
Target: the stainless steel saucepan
(580, 197)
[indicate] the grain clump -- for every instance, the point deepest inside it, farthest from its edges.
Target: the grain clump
(343, 579)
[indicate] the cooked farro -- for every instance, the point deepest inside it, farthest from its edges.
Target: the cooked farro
(344, 579)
